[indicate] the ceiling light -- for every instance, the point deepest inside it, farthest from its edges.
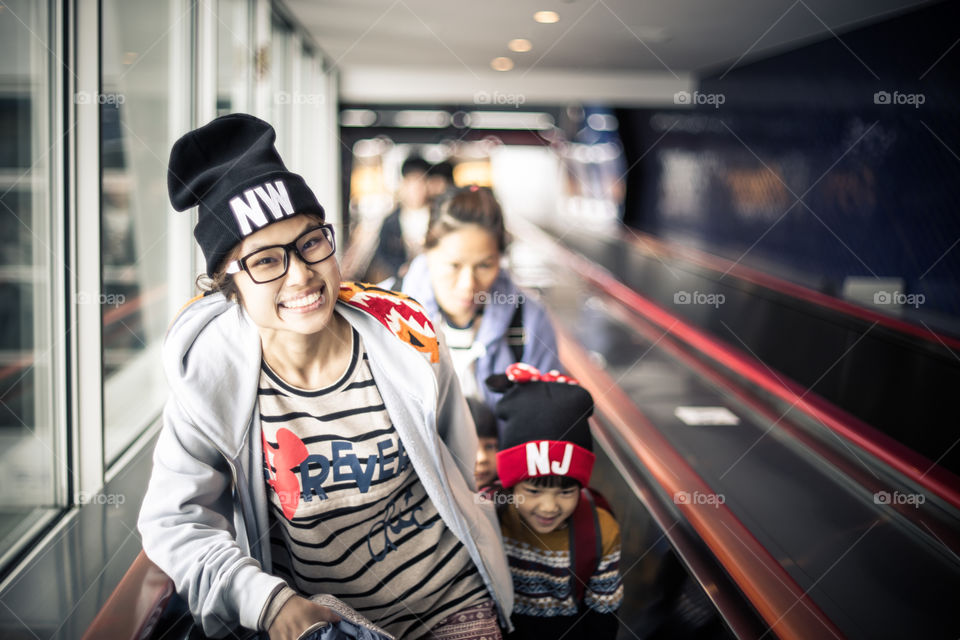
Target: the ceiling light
(501, 64)
(533, 121)
(357, 117)
(421, 119)
(602, 122)
(520, 45)
(546, 17)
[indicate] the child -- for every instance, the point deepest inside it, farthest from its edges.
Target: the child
(485, 471)
(545, 459)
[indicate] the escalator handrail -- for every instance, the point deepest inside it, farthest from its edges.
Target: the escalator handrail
(853, 468)
(785, 607)
(134, 608)
(916, 467)
(657, 246)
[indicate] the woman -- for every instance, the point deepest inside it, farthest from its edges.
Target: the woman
(487, 321)
(315, 441)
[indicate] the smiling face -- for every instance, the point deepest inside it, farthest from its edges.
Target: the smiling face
(544, 509)
(464, 263)
(301, 302)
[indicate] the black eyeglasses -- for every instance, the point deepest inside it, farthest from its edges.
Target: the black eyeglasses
(271, 263)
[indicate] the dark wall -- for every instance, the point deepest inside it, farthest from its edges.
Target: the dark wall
(878, 181)
(879, 196)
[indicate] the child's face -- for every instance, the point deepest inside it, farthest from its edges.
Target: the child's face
(544, 509)
(486, 470)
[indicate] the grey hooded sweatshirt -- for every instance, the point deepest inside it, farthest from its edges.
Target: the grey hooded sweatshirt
(204, 517)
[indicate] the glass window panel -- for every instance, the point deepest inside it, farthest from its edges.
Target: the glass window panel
(235, 57)
(281, 85)
(29, 459)
(143, 70)
(309, 108)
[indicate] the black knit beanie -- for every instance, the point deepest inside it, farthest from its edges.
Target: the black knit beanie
(483, 418)
(542, 419)
(543, 411)
(231, 169)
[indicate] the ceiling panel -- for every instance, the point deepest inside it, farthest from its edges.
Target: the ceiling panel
(611, 35)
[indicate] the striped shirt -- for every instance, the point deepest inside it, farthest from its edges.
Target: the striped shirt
(349, 516)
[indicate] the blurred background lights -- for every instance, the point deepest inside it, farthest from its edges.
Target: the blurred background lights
(602, 122)
(501, 64)
(546, 17)
(520, 45)
(357, 117)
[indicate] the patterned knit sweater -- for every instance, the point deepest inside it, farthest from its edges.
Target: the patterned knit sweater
(545, 605)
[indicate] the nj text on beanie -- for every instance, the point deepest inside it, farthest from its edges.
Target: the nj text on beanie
(231, 169)
(546, 430)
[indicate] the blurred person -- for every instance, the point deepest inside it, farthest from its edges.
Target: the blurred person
(485, 472)
(303, 410)
(439, 180)
(402, 231)
(487, 321)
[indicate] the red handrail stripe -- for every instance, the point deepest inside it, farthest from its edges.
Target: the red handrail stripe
(133, 608)
(857, 471)
(915, 466)
(742, 272)
(739, 614)
(777, 597)
(22, 363)
(110, 316)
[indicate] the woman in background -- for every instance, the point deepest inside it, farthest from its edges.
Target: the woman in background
(487, 321)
